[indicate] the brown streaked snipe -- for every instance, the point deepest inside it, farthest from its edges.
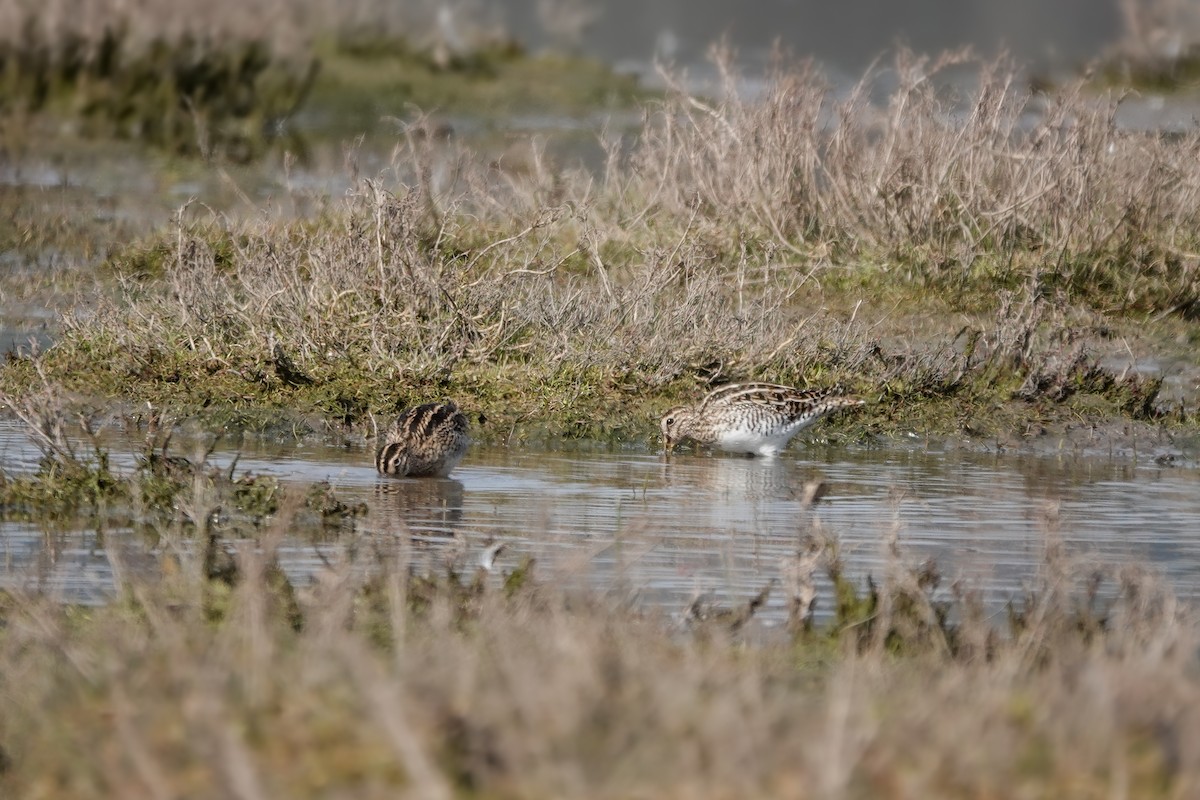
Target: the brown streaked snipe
(755, 418)
(425, 441)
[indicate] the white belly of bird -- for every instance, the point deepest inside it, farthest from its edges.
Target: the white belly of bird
(743, 439)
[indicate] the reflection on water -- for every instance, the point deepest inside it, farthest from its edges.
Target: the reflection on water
(667, 530)
(432, 507)
(69, 564)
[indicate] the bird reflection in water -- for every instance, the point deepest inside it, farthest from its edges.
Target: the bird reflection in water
(424, 508)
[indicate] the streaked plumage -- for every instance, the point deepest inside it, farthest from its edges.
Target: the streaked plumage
(758, 418)
(425, 441)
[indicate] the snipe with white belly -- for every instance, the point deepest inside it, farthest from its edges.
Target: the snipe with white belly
(755, 418)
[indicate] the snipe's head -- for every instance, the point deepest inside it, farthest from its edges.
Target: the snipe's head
(392, 458)
(676, 424)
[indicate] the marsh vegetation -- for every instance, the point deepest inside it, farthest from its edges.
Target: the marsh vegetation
(459, 681)
(229, 82)
(489, 675)
(979, 260)
(968, 273)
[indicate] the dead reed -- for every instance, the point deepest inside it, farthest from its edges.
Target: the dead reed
(959, 173)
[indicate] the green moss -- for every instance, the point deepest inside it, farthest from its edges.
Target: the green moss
(256, 495)
(1161, 74)
(1135, 277)
(361, 81)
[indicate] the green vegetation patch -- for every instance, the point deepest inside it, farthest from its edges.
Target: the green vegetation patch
(163, 490)
(362, 80)
(1152, 73)
(189, 95)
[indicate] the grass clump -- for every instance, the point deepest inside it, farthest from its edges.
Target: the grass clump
(957, 188)
(956, 256)
(68, 478)
(387, 303)
(158, 489)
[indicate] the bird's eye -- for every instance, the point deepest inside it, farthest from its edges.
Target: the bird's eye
(670, 420)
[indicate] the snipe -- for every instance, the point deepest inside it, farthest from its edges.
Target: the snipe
(755, 418)
(425, 441)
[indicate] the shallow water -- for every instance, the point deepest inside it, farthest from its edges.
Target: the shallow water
(664, 530)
